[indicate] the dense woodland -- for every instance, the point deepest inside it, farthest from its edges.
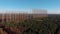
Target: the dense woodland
(46, 25)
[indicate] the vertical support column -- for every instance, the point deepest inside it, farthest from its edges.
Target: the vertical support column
(7, 17)
(14, 17)
(2, 18)
(10, 17)
(19, 16)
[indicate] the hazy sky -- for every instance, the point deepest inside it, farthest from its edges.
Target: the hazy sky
(52, 6)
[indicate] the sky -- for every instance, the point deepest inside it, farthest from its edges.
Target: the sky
(52, 6)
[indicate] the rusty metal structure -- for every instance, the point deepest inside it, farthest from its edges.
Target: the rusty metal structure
(17, 17)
